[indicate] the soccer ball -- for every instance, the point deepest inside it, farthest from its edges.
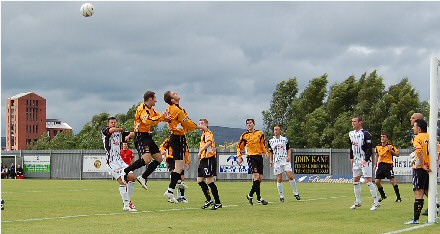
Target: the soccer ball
(87, 9)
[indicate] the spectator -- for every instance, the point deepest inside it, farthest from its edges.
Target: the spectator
(5, 172)
(127, 154)
(12, 171)
(20, 174)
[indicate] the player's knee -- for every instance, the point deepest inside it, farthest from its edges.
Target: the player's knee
(131, 177)
(147, 160)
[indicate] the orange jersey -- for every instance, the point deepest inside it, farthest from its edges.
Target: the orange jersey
(421, 142)
(383, 153)
(204, 139)
(254, 141)
(165, 146)
(180, 117)
(146, 118)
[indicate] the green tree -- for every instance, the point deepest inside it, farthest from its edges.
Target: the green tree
(90, 137)
(62, 141)
(280, 106)
(400, 102)
(310, 99)
(161, 134)
(342, 97)
(314, 123)
(193, 139)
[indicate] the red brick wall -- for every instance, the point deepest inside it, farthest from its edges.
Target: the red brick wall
(30, 121)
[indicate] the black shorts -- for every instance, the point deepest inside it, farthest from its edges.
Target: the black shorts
(207, 167)
(384, 170)
(178, 146)
(255, 163)
(171, 164)
(420, 179)
(144, 143)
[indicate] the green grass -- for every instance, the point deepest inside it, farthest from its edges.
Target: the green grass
(94, 206)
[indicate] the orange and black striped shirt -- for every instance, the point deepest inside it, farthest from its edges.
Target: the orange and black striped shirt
(383, 153)
(204, 139)
(180, 122)
(145, 118)
(421, 142)
(255, 143)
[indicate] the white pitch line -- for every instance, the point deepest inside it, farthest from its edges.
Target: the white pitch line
(138, 212)
(410, 229)
(69, 190)
(109, 214)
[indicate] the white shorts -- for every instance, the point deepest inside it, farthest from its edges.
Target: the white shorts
(367, 171)
(116, 168)
(279, 168)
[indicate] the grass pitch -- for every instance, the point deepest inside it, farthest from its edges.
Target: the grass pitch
(95, 206)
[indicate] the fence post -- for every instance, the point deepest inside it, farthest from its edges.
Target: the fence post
(81, 163)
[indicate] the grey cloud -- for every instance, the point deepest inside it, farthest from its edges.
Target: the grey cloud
(225, 58)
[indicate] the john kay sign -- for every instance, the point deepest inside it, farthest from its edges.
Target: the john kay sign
(312, 164)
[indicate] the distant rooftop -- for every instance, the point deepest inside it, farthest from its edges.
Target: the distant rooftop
(56, 123)
(20, 95)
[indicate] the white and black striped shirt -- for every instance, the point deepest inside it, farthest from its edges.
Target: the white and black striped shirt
(112, 144)
(361, 146)
(279, 147)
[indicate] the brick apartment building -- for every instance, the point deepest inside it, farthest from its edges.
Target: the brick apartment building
(26, 121)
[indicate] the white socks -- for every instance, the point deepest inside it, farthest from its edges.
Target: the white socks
(124, 195)
(294, 186)
(373, 190)
(280, 189)
(357, 192)
(130, 189)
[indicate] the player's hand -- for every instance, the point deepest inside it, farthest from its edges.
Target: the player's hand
(426, 168)
(239, 161)
(128, 137)
(167, 116)
(199, 154)
(352, 161)
(266, 156)
(271, 164)
(363, 163)
(288, 159)
(187, 167)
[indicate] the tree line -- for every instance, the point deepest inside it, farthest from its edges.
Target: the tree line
(317, 117)
(321, 118)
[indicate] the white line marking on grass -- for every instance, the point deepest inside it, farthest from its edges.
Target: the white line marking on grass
(109, 214)
(45, 191)
(321, 198)
(410, 229)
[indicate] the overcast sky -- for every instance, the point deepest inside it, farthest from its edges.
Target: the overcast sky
(224, 58)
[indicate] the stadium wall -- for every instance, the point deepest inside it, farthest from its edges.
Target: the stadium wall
(73, 164)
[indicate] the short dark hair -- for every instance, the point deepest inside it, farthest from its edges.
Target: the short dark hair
(167, 97)
(385, 134)
(148, 94)
(277, 125)
(253, 121)
(204, 121)
(111, 118)
(359, 118)
(422, 124)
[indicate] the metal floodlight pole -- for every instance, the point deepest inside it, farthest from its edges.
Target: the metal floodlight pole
(433, 118)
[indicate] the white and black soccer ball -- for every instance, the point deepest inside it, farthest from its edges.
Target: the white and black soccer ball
(87, 9)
